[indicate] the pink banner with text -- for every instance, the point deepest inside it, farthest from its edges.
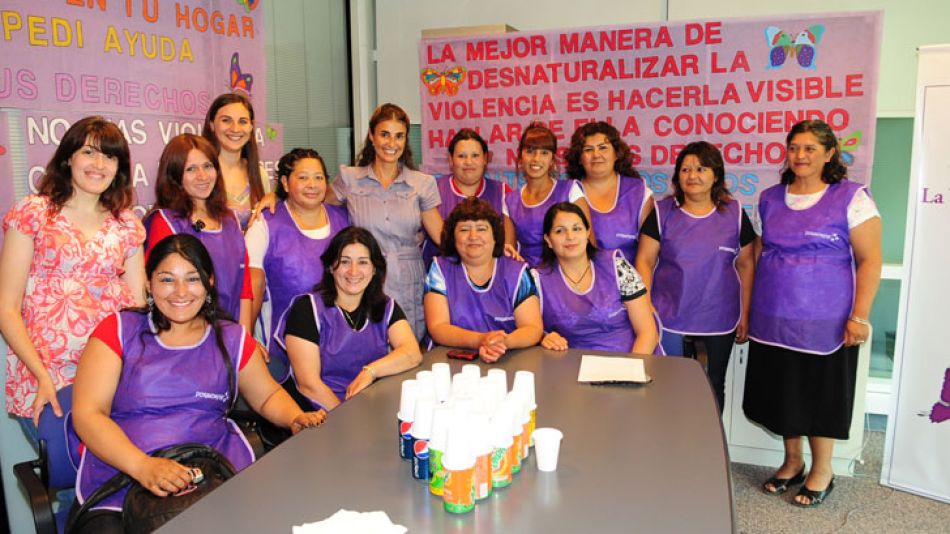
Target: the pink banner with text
(738, 83)
(151, 66)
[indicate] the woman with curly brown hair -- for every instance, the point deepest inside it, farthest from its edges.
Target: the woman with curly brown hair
(618, 197)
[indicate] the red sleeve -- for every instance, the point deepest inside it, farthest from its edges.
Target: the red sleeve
(250, 345)
(157, 230)
(108, 333)
(507, 188)
(246, 291)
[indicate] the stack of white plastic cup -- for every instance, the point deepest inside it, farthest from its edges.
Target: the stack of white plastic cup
(499, 380)
(459, 464)
(482, 446)
(485, 393)
(464, 385)
(426, 380)
(501, 441)
(473, 370)
(519, 398)
(442, 378)
(405, 415)
(421, 432)
(524, 381)
(441, 418)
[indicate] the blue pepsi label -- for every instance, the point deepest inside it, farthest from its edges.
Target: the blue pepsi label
(405, 440)
(420, 459)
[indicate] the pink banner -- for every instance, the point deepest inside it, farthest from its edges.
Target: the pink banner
(152, 67)
(738, 83)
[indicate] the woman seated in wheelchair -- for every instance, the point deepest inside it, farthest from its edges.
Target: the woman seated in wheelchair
(166, 375)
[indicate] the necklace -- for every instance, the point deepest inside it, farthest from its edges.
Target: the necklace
(579, 278)
(349, 318)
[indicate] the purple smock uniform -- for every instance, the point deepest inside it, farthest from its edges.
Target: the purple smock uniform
(491, 191)
(529, 220)
(619, 227)
(292, 263)
(226, 248)
(596, 319)
(343, 351)
(170, 396)
(696, 288)
(804, 281)
(483, 310)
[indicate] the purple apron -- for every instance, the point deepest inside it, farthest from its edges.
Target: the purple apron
(695, 282)
(292, 264)
(529, 220)
(492, 191)
(169, 396)
(482, 310)
(343, 351)
(594, 320)
(620, 226)
(227, 250)
(804, 280)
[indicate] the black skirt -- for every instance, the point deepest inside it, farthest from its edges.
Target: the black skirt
(793, 393)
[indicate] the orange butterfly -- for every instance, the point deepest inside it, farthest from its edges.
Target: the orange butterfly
(448, 81)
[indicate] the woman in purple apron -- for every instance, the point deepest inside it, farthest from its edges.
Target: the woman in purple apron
(167, 375)
(468, 156)
(590, 299)
(696, 256)
(542, 189)
(347, 333)
(283, 246)
(475, 297)
(815, 281)
(190, 199)
(618, 197)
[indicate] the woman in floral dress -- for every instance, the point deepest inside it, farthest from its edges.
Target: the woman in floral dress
(71, 256)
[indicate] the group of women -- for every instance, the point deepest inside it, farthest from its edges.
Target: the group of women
(588, 262)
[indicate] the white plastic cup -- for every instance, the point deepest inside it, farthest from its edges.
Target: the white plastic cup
(473, 370)
(464, 385)
(524, 381)
(422, 417)
(441, 418)
(407, 400)
(501, 375)
(442, 378)
(547, 445)
(426, 380)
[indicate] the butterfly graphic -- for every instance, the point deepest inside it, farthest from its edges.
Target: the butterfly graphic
(448, 81)
(249, 5)
(850, 144)
(271, 133)
(239, 80)
(802, 48)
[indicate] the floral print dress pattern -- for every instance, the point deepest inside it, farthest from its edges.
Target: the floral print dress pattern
(74, 283)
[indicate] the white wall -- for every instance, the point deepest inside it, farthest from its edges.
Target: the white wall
(399, 23)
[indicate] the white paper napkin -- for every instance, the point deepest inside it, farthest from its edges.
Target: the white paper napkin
(348, 521)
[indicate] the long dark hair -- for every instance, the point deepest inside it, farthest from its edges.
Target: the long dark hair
(194, 252)
(834, 171)
(708, 156)
(249, 151)
(373, 300)
(472, 209)
(285, 167)
(57, 180)
(623, 166)
(548, 258)
(169, 191)
(385, 112)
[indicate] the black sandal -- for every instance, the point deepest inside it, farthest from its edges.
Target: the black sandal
(815, 497)
(781, 485)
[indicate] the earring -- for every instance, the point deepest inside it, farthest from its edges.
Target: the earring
(207, 299)
(149, 302)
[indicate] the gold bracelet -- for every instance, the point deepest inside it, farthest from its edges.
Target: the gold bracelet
(371, 372)
(859, 320)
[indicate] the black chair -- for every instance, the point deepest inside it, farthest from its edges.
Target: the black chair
(56, 466)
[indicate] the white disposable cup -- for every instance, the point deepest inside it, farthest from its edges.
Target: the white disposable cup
(500, 375)
(441, 418)
(524, 380)
(422, 421)
(472, 369)
(407, 400)
(442, 378)
(426, 380)
(547, 445)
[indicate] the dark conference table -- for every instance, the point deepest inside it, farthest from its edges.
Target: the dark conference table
(644, 458)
